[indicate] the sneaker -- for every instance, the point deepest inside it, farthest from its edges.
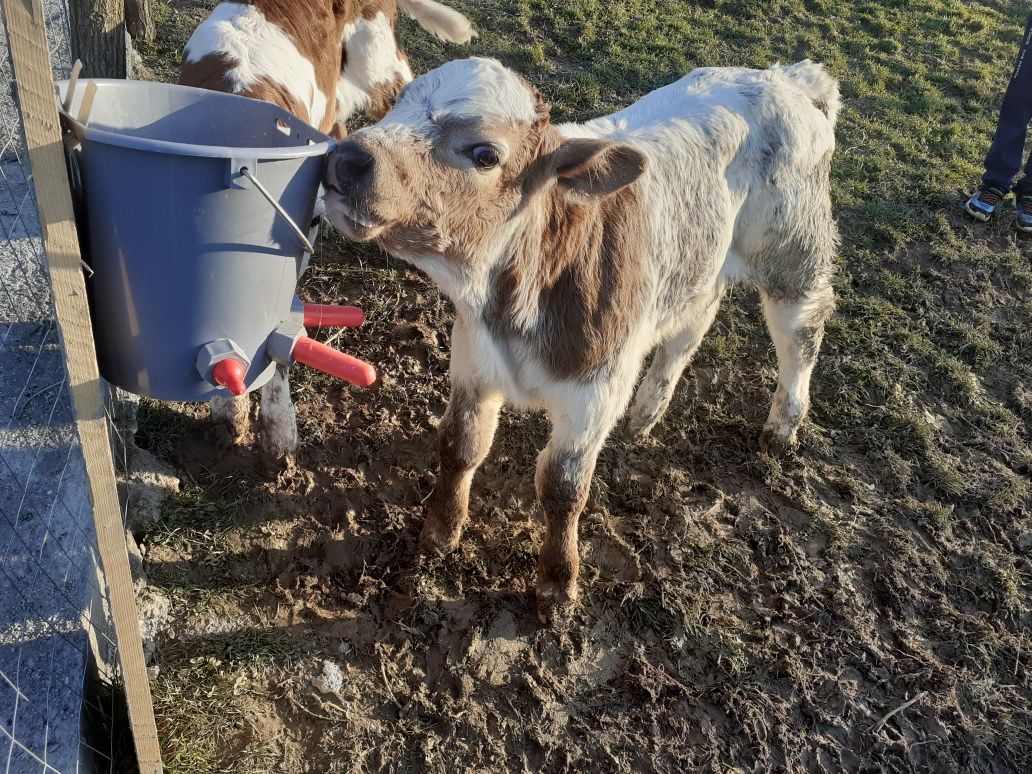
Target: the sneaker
(986, 201)
(1023, 205)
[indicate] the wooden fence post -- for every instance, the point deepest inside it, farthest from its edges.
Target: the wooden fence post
(34, 77)
(98, 36)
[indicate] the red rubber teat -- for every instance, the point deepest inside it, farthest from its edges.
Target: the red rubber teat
(330, 361)
(331, 315)
(229, 373)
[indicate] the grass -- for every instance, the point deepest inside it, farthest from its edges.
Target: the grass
(767, 612)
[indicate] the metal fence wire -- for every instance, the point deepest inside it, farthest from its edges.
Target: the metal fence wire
(59, 711)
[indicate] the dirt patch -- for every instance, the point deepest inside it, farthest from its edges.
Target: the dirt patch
(736, 607)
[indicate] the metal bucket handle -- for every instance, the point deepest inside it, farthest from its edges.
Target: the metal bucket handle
(279, 209)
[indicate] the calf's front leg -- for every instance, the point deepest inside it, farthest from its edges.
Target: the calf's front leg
(562, 482)
(277, 421)
(464, 439)
(231, 417)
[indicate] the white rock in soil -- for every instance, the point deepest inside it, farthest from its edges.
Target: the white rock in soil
(330, 680)
(135, 562)
(155, 610)
(150, 481)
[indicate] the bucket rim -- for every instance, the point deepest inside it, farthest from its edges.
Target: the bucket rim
(324, 145)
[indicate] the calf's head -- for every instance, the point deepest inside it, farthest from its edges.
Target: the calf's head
(465, 153)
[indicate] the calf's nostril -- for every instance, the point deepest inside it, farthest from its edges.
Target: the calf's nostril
(358, 166)
(353, 163)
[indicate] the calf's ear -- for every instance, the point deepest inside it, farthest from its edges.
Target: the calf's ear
(597, 167)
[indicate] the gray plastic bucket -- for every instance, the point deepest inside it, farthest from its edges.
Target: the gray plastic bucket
(184, 249)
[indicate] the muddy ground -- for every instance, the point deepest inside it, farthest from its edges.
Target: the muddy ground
(860, 605)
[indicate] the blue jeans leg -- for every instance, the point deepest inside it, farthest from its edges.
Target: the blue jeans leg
(1004, 159)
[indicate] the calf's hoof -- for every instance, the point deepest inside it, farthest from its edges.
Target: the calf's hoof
(555, 600)
(226, 435)
(277, 463)
(438, 538)
(777, 441)
(637, 427)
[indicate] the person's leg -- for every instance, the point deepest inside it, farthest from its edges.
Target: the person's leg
(1024, 186)
(1023, 200)
(1004, 158)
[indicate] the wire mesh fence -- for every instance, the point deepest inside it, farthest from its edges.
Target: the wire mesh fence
(58, 659)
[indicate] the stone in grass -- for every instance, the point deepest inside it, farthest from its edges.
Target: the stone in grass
(155, 610)
(149, 482)
(135, 562)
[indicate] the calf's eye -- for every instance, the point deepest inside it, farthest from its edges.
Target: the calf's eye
(485, 157)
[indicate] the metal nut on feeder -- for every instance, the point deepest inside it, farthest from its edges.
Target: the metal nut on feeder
(224, 364)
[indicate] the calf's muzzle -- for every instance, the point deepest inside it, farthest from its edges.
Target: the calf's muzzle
(350, 167)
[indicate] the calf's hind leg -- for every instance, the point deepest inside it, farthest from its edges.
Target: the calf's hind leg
(562, 481)
(797, 328)
(672, 357)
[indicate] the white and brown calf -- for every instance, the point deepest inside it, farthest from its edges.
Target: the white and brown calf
(324, 61)
(572, 251)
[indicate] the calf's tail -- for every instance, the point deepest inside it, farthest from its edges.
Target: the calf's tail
(814, 81)
(440, 20)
